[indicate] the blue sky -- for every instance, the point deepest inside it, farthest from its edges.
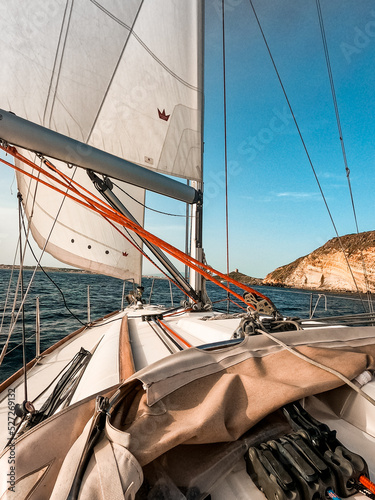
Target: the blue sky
(276, 212)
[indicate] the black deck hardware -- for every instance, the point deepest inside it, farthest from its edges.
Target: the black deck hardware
(305, 464)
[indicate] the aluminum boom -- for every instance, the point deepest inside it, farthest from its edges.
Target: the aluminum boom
(28, 135)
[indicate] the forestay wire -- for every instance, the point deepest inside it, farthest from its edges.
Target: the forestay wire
(225, 141)
(341, 136)
(305, 148)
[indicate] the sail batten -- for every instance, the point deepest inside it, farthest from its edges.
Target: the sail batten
(123, 77)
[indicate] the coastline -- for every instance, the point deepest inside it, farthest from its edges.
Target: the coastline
(242, 278)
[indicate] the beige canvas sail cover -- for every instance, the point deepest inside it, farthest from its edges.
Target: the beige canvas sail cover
(125, 77)
(181, 408)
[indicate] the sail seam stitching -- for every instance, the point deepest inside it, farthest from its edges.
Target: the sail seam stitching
(56, 74)
(118, 61)
(143, 44)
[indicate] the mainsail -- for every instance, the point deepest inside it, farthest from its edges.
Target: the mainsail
(125, 77)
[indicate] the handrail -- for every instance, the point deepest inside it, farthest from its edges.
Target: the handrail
(152, 288)
(37, 329)
(123, 291)
(312, 312)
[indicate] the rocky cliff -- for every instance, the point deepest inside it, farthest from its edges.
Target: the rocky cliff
(326, 268)
(242, 278)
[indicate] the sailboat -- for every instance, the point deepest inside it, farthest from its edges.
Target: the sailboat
(154, 402)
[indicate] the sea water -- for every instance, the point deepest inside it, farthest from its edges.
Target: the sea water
(63, 305)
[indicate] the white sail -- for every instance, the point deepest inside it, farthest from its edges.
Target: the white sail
(77, 235)
(125, 77)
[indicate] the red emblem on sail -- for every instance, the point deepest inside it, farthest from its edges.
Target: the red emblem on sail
(125, 254)
(163, 116)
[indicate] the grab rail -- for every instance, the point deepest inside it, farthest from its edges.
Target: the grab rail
(312, 311)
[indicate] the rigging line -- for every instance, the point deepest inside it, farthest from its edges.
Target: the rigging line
(12, 326)
(161, 337)
(130, 238)
(238, 305)
(123, 220)
(145, 206)
(329, 68)
(101, 202)
(95, 203)
(304, 147)
(8, 295)
(91, 204)
(55, 75)
(116, 216)
(19, 196)
(54, 283)
(188, 232)
(133, 242)
(225, 141)
(64, 369)
(341, 136)
(12, 322)
(174, 334)
(13, 319)
(332, 371)
(33, 196)
(93, 207)
(117, 63)
(7, 298)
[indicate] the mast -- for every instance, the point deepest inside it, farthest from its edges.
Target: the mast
(196, 227)
(196, 250)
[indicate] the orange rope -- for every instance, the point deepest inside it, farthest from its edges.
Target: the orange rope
(69, 181)
(177, 313)
(109, 212)
(68, 184)
(174, 334)
(367, 483)
(238, 305)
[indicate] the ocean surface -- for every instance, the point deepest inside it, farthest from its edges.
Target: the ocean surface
(62, 290)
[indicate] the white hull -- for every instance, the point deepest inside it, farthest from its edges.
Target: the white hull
(107, 369)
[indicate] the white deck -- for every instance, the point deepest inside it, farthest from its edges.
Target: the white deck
(103, 372)
(102, 340)
(237, 485)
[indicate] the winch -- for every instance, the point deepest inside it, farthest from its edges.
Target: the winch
(309, 463)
